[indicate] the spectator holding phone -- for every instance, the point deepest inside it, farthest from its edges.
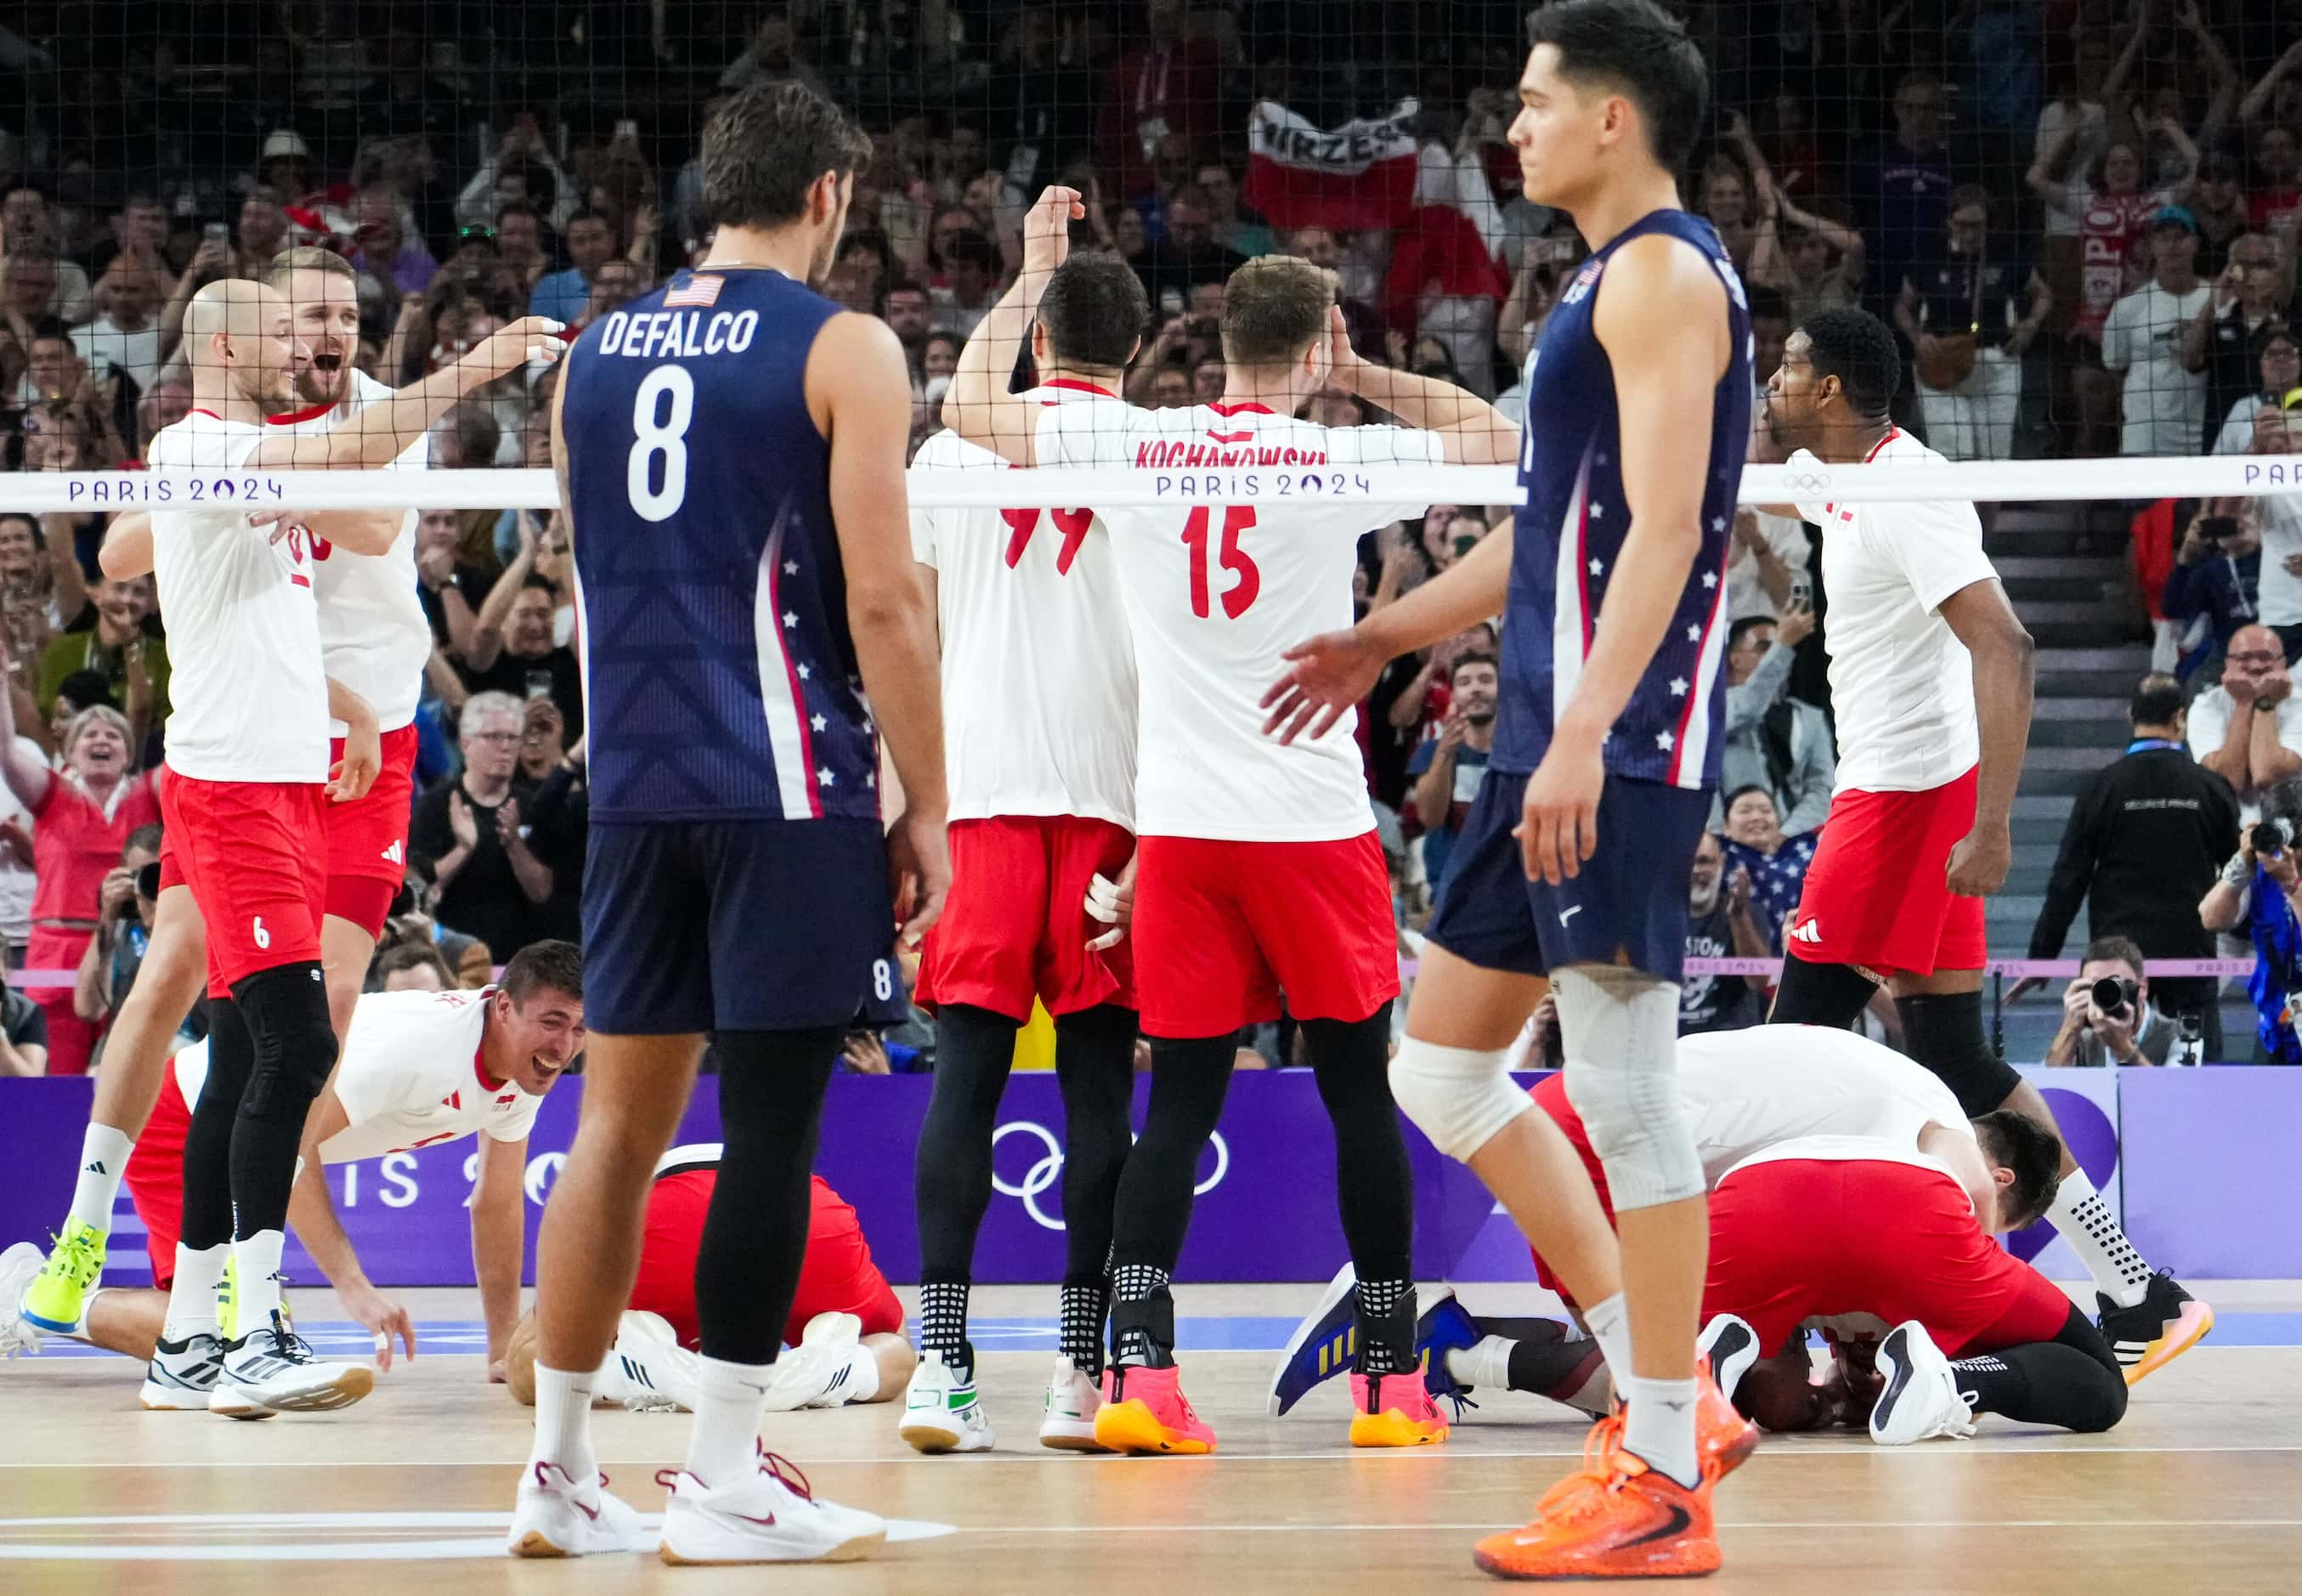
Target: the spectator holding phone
(1775, 742)
(2218, 340)
(2260, 890)
(1720, 924)
(511, 647)
(1447, 769)
(2278, 366)
(2217, 567)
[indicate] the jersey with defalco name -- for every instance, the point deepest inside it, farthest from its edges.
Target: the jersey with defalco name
(720, 679)
(1572, 518)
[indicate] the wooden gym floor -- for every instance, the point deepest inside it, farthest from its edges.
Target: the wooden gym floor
(2199, 1491)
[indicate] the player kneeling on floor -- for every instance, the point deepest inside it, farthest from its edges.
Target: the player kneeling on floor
(419, 1068)
(846, 1330)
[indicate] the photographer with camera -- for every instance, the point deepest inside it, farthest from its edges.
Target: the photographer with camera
(2261, 889)
(2108, 1017)
(2217, 566)
(126, 905)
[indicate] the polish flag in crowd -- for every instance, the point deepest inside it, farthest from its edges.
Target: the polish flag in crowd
(1357, 175)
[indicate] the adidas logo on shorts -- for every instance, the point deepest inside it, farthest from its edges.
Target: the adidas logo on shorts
(1807, 931)
(394, 854)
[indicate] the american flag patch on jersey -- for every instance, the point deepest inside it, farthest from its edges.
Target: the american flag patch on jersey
(695, 290)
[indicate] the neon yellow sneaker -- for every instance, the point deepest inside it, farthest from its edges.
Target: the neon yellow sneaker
(228, 1300)
(58, 1295)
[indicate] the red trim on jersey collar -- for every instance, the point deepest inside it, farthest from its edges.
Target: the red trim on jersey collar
(288, 418)
(1074, 383)
(480, 1053)
(1892, 434)
(1256, 406)
(204, 410)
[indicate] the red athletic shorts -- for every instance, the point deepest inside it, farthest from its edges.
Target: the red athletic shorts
(1222, 928)
(1794, 1239)
(838, 1278)
(1015, 926)
(254, 855)
(154, 1177)
(1875, 894)
(367, 839)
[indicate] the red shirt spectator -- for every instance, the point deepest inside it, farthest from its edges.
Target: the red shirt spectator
(1165, 86)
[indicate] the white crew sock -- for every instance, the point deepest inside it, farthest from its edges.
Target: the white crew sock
(1486, 1365)
(563, 1424)
(257, 1261)
(862, 1376)
(192, 1299)
(723, 1447)
(1659, 1425)
(103, 1160)
(1609, 1323)
(2081, 1218)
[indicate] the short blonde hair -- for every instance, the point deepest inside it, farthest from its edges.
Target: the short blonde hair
(1274, 308)
(98, 714)
(304, 257)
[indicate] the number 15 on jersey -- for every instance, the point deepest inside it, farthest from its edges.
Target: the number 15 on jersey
(1237, 518)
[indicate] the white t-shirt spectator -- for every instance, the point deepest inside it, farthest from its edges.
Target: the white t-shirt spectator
(250, 695)
(1901, 680)
(2166, 404)
(2278, 591)
(1217, 593)
(2092, 138)
(101, 344)
(1744, 595)
(2210, 720)
(1039, 672)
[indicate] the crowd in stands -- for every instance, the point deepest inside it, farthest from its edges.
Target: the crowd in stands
(2079, 215)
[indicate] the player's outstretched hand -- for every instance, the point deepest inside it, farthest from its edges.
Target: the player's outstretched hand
(1560, 826)
(1341, 356)
(1325, 676)
(384, 1317)
(1979, 863)
(1111, 904)
(515, 343)
(918, 867)
(1047, 229)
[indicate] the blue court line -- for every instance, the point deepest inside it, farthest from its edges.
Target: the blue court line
(1234, 1333)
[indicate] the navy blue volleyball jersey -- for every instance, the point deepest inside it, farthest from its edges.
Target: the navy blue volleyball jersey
(1570, 529)
(720, 679)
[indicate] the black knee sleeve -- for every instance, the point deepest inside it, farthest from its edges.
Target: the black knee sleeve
(1943, 1030)
(207, 1144)
(1827, 995)
(1374, 1181)
(1188, 1082)
(771, 1086)
(1094, 1068)
(286, 1009)
(951, 1170)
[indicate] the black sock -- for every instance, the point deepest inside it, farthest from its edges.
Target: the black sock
(1374, 1182)
(1189, 1082)
(207, 1144)
(943, 1326)
(771, 1086)
(1826, 995)
(951, 1170)
(294, 1047)
(1095, 1067)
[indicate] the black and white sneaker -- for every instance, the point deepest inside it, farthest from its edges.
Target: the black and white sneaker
(1922, 1400)
(2167, 1322)
(182, 1373)
(273, 1369)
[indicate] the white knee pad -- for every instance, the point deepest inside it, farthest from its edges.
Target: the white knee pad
(1458, 1096)
(1621, 1031)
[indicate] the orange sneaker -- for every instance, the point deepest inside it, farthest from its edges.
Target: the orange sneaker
(1627, 1523)
(1723, 1437)
(1145, 1410)
(1394, 1410)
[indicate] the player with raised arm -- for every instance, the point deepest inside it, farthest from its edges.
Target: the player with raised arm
(731, 456)
(1039, 703)
(418, 1069)
(1260, 867)
(1574, 863)
(1931, 671)
(374, 642)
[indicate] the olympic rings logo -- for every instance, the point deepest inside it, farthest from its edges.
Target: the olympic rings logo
(1044, 1173)
(1807, 482)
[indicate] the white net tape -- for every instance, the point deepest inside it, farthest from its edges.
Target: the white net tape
(85, 492)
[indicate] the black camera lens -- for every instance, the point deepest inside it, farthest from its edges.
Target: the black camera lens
(2113, 994)
(2271, 837)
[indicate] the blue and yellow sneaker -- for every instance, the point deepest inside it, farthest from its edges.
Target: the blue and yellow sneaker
(57, 1298)
(1324, 1344)
(1444, 1325)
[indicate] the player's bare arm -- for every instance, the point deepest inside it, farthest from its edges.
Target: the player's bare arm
(1985, 622)
(1328, 674)
(350, 777)
(499, 1241)
(859, 390)
(1661, 317)
(383, 432)
(356, 531)
(1468, 427)
(313, 1212)
(977, 406)
(127, 549)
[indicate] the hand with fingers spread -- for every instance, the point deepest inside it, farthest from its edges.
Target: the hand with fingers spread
(383, 1318)
(1326, 677)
